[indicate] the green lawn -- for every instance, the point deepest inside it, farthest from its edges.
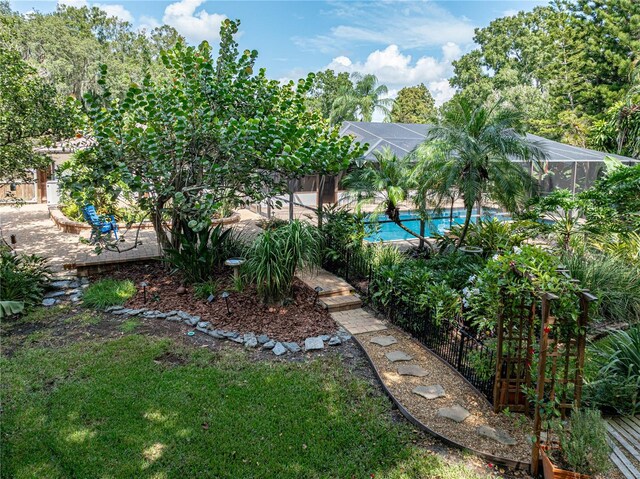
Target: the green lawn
(120, 409)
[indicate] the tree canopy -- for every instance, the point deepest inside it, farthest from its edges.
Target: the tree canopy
(566, 66)
(210, 132)
(68, 46)
(413, 104)
(31, 115)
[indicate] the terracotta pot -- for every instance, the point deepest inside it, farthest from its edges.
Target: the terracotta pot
(552, 472)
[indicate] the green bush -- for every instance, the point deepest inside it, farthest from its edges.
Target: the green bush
(205, 289)
(615, 282)
(276, 254)
(23, 278)
(342, 232)
(613, 372)
(490, 234)
(584, 445)
(108, 292)
(202, 252)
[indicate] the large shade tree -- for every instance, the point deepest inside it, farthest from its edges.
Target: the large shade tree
(477, 152)
(414, 104)
(214, 134)
(31, 115)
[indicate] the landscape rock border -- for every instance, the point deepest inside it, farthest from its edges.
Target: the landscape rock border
(249, 340)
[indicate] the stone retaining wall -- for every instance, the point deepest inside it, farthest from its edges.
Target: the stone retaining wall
(69, 226)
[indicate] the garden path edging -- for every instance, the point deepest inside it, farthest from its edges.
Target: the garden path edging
(510, 463)
(249, 340)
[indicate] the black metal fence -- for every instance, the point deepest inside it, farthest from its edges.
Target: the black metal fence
(448, 338)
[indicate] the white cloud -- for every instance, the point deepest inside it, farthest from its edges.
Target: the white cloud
(406, 24)
(111, 9)
(397, 70)
(148, 23)
(195, 25)
(115, 10)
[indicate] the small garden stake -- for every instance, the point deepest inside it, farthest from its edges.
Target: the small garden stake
(144, 291)
(225, 295)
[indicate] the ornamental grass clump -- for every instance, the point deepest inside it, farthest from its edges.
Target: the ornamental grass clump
(108, 292)
(277, 254)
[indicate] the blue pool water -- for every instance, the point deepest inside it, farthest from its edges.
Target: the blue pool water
(385, 230)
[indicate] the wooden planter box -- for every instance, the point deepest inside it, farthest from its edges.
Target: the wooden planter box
(552, 472)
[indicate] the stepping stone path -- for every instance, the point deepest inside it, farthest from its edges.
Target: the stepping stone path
(394, 356)
(497, 435)
(429, 392)
(384, 340)
(412, 370)
(455, 413)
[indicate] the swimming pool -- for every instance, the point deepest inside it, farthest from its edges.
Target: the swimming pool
(389, 231)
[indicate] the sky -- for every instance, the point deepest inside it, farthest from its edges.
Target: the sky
(403, 43)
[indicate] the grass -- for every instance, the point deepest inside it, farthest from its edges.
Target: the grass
(130, 325)
(108, 292)
(143, 407)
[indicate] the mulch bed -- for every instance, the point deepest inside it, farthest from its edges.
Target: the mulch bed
(295, 321)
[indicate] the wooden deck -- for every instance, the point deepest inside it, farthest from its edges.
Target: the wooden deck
(624, 438)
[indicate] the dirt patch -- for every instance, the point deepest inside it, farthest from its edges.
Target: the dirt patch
(297, 320)
(170, 358)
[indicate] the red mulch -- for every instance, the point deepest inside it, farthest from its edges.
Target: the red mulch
(293, 322)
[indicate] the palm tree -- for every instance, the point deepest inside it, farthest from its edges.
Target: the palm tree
(361, 101)
(473, 151)
(388, 176)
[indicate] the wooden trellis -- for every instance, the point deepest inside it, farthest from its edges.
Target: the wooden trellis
(560, 361)
(560, 364)
(514, 352)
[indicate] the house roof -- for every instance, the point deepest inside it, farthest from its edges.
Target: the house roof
(402, 138)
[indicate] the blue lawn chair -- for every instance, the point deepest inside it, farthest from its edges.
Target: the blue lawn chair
(99, 223)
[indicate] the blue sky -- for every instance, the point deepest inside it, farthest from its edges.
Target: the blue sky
(403, 42)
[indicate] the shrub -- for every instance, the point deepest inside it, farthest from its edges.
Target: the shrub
(585, 446)
(205, 289)
(23, 278)
(615, 282)
(613, 379)
(341, 231)
(108, 292)
(490, 234)
(271, 223)
(276, 254)
(201, 252)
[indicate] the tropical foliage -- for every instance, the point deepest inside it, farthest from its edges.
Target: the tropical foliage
(361, 101)
(276, 255)
(472, 150)
(23, 280)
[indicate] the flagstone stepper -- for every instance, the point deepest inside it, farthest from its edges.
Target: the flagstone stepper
(429, 392)
(412, 370)
(384, 340)
(394, 356)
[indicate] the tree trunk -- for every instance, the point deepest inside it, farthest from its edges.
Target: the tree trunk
(161, 234)
(320, 199)
(467, 220)
(421, 245)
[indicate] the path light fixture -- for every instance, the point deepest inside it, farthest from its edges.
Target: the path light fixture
(211, 298)
(318, 290)
(144, 291)
(225, 295)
